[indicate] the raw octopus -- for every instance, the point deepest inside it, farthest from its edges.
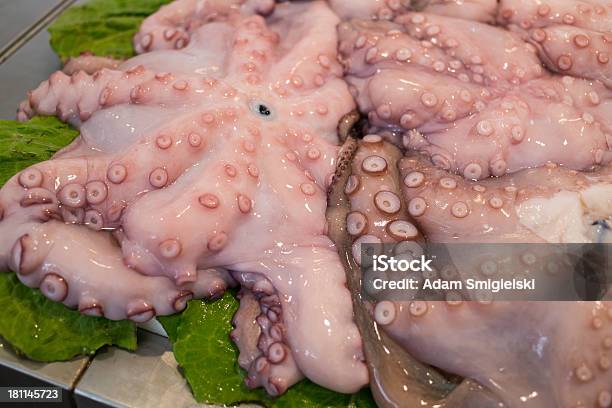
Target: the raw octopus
(498, 149)
(479, 111)
(216, 155)
(475, 134)
(528, 360)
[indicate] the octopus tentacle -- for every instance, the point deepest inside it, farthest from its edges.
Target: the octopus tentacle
(477, 10)
(414, 324)
(171, 27)
(516, 132)
(397, 379)
(315, 69)
(428, 46)
(571, 37)
(46, 191)
(436, 78)
(372, 9)
(89, 63)
(508, 209)
(483, 11)
(51, 256)
(575, 51)
(254, 44)
(95, 191)
(77, 97)
(591, 15)
(567, 371)
(166, 28)
(331, 345)
(220, 194)
(378, 213)
(246, 331)
(87, 193)
(506, 60)
(259, 334)
(206, 54)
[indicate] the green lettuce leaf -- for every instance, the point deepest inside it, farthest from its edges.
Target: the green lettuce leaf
(23, 144)
(103, 27)
(36, 327)
(46, 331)
(208, 358)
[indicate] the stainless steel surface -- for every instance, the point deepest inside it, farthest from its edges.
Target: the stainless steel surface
(13, 46)
(30, 62)
(65, 374)
(17, 15)
(148, 377)
(33, 63)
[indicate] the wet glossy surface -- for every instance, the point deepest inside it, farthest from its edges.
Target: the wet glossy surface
(485, 115)
(185, 155)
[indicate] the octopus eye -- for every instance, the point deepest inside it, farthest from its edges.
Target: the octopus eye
(262, 110)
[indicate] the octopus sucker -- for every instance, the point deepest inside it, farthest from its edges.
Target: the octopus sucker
(260, 145)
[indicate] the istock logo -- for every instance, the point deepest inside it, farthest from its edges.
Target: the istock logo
(385, 263)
